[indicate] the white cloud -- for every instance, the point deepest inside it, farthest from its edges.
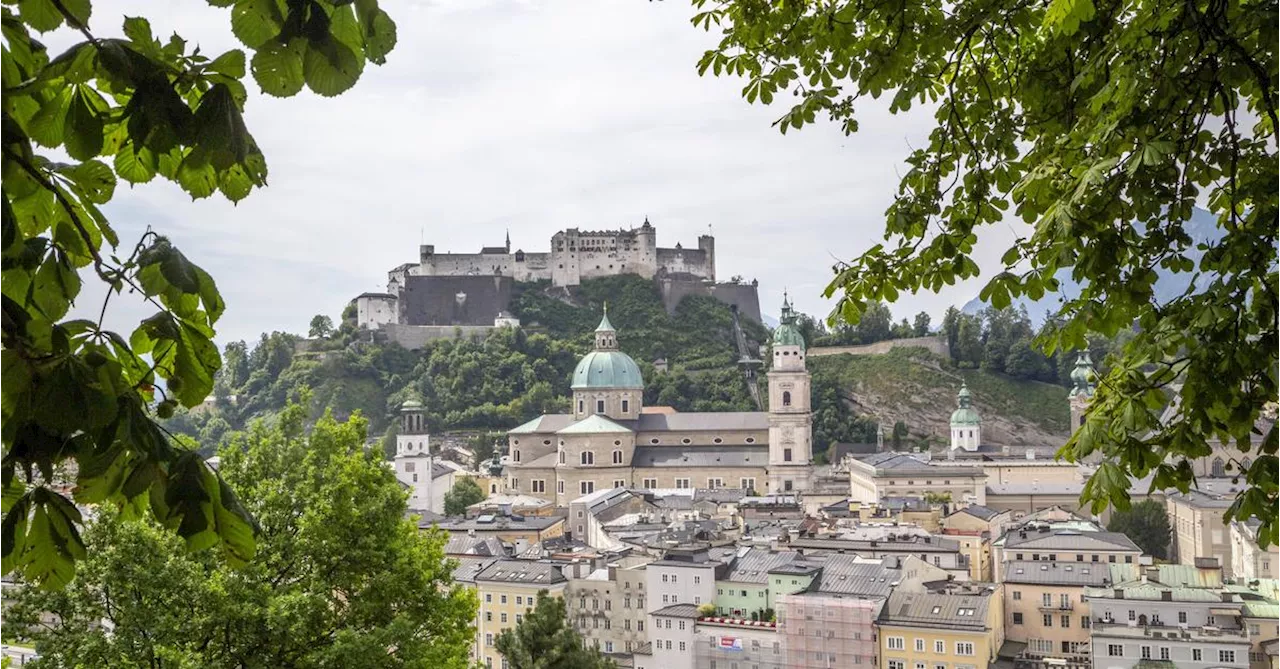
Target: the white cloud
(532, 116)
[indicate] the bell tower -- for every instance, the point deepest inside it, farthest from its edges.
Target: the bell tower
(413, 455)
(1082, 389)
(790, 417)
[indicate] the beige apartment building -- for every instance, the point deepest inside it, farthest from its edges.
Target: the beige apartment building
(1044, 609)
(1198, 530)
(508, 591)
(957, 625)
(882, 475)
(607, 607)
(1071, 543)
(1248, 561)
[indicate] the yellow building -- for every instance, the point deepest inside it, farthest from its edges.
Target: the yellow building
(1045, 608)
(508, 590)
(957, 626)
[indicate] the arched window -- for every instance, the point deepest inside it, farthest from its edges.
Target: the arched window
(1245, 464)
(1218, 468)
(617, 457)
(786, 398)
(588, 458)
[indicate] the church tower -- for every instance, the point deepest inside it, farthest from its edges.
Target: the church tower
(1082, 389)
(790, 420)
(413, 455)
(966, 425)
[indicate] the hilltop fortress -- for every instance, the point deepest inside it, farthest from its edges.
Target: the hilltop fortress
(443, 292)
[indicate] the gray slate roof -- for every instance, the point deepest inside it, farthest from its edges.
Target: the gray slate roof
(1057, 573)
(722, 421)
(490, 523)
(677, 611)
(978, 511)
(522, 571)
(700, 456)
(469, 567)
(924, 609)
(754, 565)
(1070, 540)
(842, 575)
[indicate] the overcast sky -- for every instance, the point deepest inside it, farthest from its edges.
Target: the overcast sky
(532, 117)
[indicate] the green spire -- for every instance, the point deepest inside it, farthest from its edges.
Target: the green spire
(963, 397)
(1082, 376)
(605, 325)
(787, 334)
(965, 414)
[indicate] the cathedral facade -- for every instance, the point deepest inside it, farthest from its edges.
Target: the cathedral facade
(610, 440)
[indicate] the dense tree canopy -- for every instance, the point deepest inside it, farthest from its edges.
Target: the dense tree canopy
(132, 108)
(544, 640)
(1147, 523)
(340, 576)
(1104, 123)
(463, 494)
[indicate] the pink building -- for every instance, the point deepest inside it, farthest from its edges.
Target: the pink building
(821, 630)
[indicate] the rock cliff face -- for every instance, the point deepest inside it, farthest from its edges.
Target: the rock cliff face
(914, 386)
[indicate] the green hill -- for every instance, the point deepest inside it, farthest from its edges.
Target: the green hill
(919, 389)
(497, 382)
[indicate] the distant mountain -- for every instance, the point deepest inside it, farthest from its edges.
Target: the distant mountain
(1202, 227)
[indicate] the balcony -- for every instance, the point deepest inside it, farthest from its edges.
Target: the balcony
(1057, 606)
(1111, 628)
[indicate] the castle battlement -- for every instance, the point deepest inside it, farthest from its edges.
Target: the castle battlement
(574, 255)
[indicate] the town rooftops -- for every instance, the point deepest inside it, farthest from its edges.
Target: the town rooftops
(898, 464)
(943, 611)
(844, 574)
(469, 567)
(1174, 575)
(1058, 573)
(522, 571)
(910, 544)
(495, 523)
(461, 544)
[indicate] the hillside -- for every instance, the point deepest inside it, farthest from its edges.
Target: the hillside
(918, 388)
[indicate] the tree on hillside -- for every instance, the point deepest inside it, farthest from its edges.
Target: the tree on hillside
(899, 435)
(920, 325)
(545, 640)
(132, 108)
(1147, 523)
(1103, 123)
(340, 575)
(321, 326)
(464, 493)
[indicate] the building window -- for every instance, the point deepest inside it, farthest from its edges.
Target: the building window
(939, 647)
(1115, 650)
(895, 643)
(1218, 468)
(1182, 616)
(626, 406)
(1196, 655)
(682, 483)
(897, 664)
(581, 406)
(562, 457)
(1146, 652)
(599, 406)
(715, 483)
(650, 483)
(747, 484)
(1048, 620)
(1133, 615)
(408, 466)
(560, 487)
(1017, 619)
(786, 455)
(538, 485)
(503, 617)
(617, 457)
(1164, 653)
(1066, 621)
(964, 648)
(516, 455)
(787, 485)
(586, 487)
(415, 478)
(1017, 595)
(786, 398)
(588, 457)
(1227, 656)
(488, 639)
(619, 483)
(919, 646)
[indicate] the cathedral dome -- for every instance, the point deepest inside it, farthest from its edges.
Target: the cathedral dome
(607, 369)
(606, 366)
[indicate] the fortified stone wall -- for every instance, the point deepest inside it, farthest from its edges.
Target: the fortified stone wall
(453, 300)
(414, 337)
(934, 344)
(743, 296)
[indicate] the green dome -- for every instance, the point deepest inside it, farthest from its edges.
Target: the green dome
(786, 334)
(1082, 376)
(607, 369)
(965, 415)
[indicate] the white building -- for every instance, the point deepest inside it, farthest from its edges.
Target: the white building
(413, 461)
(966, 425)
